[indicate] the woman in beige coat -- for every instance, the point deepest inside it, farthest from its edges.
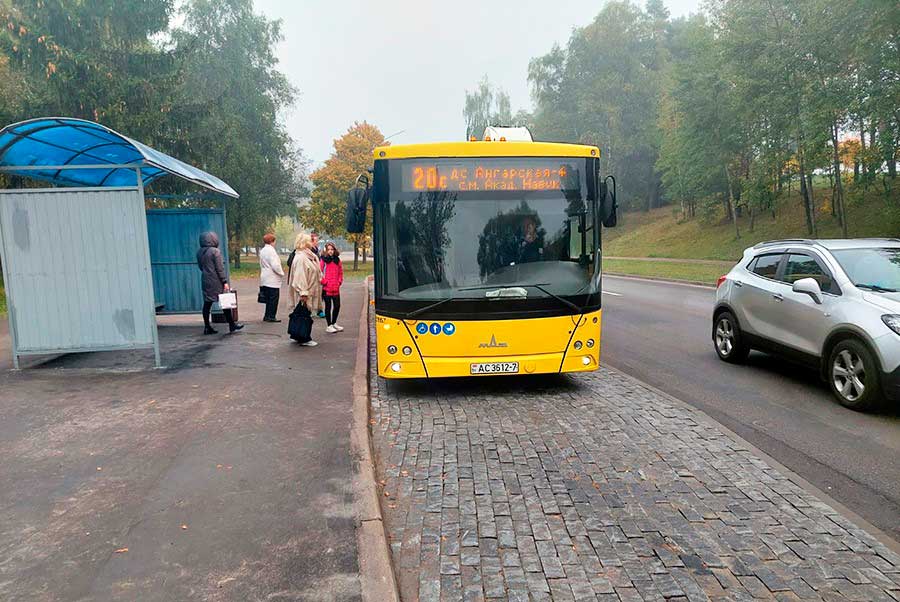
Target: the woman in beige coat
(306, 277)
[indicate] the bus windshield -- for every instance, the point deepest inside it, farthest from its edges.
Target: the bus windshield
(468, 241)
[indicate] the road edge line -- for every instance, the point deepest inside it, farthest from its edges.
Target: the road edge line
(879, 535)
(690, 283)
(378, 583)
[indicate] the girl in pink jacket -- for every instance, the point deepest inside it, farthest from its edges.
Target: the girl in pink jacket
(332, 279)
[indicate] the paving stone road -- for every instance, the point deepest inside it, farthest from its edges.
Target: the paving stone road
(596, 488)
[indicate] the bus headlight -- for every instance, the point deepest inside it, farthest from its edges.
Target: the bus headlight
(395, 367)
(578, 345)
(407, 350)
(586, 361)
(392, 349)
(590, 343)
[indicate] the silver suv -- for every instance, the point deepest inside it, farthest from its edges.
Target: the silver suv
(834, 304)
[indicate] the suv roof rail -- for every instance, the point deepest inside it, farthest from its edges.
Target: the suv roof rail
(768, 243)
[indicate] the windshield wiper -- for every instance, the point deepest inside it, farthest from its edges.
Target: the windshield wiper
(876, 288)
(557, 297)
(422, 310)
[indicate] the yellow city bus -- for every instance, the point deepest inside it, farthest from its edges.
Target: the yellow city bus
(487, 257)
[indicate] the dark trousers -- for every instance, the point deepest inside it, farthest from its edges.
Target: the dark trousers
(332, 308)
(207, 307)
(272, 295)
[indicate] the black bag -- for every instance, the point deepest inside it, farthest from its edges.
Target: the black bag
(300, 324)
(261, 297)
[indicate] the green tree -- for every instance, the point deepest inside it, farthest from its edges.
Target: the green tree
(603, 89)
(486, 106)
(283, 229)
(229, 102)
(96, 60)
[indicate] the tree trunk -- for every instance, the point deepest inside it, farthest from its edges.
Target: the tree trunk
(806, 197)
(737, 229)
(355, 256)
(237, 249)
(810, 191)
(752, 216)
(837, 205)
(873, 133)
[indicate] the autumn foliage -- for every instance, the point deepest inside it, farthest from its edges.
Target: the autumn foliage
(351, 157)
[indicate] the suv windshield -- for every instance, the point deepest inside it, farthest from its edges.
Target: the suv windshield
(871, 268)
(482, 244)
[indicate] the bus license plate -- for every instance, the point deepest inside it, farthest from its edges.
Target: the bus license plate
(495, 368)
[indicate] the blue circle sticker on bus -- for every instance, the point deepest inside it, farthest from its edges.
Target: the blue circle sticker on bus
(449, 328)
(435, 328)
(422, 328)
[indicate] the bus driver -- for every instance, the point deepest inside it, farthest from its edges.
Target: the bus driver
(530, 249)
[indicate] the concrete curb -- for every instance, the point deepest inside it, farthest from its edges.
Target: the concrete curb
(879, 535)
(376, 572)
(693, 283)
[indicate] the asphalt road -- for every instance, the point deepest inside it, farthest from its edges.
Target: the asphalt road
(660, 334)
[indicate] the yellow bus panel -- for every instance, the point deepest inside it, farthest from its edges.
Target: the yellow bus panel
(485, 149)
(442, 348)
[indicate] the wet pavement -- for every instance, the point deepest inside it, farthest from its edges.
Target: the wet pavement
(225, 476)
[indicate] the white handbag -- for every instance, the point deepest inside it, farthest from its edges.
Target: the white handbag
(227, 300)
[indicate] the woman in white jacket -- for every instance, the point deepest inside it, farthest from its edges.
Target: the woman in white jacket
(271, 275)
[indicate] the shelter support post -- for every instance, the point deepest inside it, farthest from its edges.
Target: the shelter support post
(146, 244)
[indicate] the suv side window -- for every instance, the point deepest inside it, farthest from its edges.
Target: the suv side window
(766, 265)
(804, 266)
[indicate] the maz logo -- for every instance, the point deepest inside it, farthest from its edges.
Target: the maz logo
(493, 343)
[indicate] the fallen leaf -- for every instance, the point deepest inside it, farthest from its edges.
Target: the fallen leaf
(184, 527)
(121, 550)
(152, 401)
(99, 468)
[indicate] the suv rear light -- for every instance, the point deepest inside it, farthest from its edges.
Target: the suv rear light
(721, 280)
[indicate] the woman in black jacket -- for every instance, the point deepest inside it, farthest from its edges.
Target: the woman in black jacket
(215, 281)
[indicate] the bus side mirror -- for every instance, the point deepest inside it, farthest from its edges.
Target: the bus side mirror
(357, 199)
(608, 208)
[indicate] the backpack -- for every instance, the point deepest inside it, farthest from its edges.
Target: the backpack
(290, 263)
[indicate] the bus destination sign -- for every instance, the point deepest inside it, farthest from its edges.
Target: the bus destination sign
(470, 175)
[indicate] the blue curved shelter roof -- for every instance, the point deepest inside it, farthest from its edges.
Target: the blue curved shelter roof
(63, 141)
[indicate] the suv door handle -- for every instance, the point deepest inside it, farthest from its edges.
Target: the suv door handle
(738, 283)
(778, 296)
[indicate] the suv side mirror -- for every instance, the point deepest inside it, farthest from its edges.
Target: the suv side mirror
(608, 208)
(810, 287)
(357, 199)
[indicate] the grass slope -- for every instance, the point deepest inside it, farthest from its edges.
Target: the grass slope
(699, 273)
(659, 233)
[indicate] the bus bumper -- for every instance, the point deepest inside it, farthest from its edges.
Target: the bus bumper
(406, 350)
(445, 367)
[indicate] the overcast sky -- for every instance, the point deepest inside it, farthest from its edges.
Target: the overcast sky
(404, 65)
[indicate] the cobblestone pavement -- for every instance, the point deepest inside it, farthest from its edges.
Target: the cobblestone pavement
(594, 487)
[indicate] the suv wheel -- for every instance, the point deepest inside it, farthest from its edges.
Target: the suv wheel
(729, 342)
(853, 375)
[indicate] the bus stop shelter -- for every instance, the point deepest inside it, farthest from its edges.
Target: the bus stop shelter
(76, 255)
